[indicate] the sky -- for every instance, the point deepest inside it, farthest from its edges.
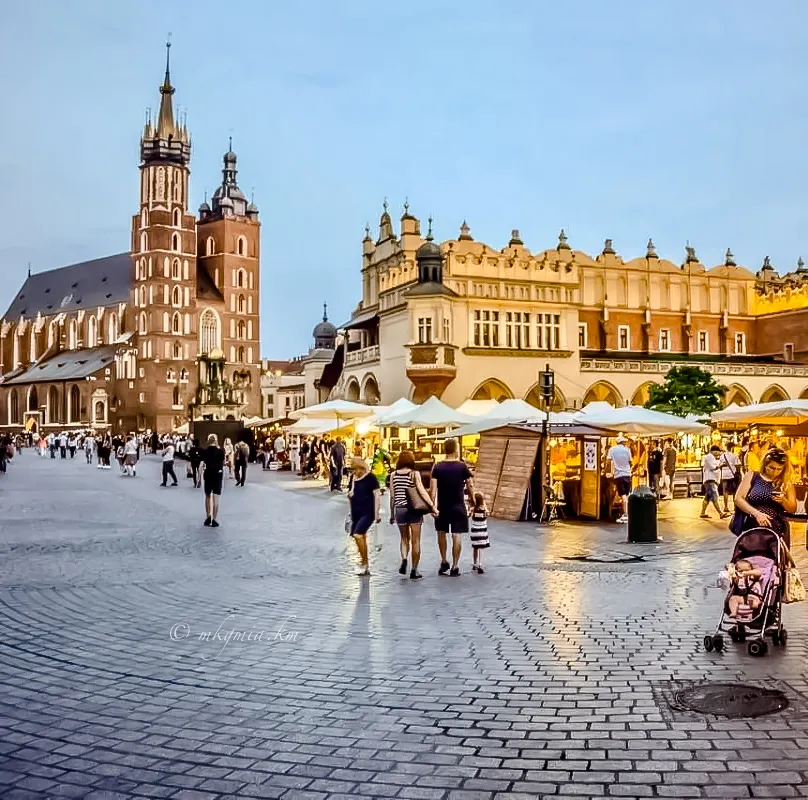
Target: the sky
(681, 120)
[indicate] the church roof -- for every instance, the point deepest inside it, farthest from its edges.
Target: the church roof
(88, 284)
(68, 365)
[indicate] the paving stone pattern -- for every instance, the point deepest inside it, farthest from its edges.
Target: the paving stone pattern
(544, 678)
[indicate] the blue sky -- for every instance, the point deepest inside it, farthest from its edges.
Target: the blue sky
(675, 119)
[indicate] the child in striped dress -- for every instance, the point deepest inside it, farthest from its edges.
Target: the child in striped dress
(479, 532)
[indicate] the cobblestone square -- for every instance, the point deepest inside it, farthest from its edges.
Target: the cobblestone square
(144, 655)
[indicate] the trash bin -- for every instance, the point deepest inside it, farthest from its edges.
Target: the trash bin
(642, 515)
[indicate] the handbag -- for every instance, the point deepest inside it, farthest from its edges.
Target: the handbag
(793, 587)
(737, 523)
(415, 501)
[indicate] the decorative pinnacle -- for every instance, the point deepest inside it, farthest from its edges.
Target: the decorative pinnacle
(562, 241)
(767, 264)
(384, 205)
(429, 230)
(406, 205)
(465, 231)
(325, 312)
(729, 259)
(650, 250)
(230, 143)
(691, 253)
(801, 265)
(607, 247)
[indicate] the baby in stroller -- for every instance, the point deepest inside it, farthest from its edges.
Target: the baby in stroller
(746, 590)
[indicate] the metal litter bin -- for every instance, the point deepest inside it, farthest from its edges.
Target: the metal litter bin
(642, 515)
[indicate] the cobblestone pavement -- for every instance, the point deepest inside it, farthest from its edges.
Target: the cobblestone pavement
(545, 677)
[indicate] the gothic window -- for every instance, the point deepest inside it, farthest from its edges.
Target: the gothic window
(210, 246)
(175, 242)
(33, 399)
(240, 278)
(144, 242)
(72, 335)
(160, 193)
(176, 397)
(177, 350)
(143, 325)
(176, 296)
(242, 331)
(176, 270)
(177, 186)
(75, 404)
(241, 246)
(176, 323)
(176, 218)
(92, 332)
(241, 306)
(142, 297)
(112, 328)
(13, 407)
(240, 355)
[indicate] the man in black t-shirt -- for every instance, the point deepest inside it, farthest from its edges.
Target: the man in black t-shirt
(449, 480)
(212, 479)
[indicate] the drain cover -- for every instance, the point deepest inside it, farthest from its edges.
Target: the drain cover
(730, 700)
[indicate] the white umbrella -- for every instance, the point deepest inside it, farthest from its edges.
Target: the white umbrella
(782, 412)
(334, 408)
(639, 420)
(431, 414)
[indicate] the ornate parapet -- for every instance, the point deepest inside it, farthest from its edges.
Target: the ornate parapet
(715, 368)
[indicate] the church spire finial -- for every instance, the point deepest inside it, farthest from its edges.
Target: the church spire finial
(167, 81)
(165, 119)
(325, 312)
(429, 230)
(230, 143)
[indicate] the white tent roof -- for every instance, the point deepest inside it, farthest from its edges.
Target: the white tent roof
(399, 407)
(477, 408)
(782, 412)
(344, 409)
(492, 420)
(431, 414)
(639, 420)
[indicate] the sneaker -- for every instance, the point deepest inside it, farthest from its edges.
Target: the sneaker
(454, 572)
(474, 568)
(402, 570)
(415, 575)
(444, 568)
(214, 523)
(704, 516)
(206, 523)
(622, 519)
(725, 515)
(480, 571)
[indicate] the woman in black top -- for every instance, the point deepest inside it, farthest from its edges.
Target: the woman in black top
(195, 457)
(364, 502)
(213, 459)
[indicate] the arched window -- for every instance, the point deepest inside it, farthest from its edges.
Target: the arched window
(241, 246)
(175, 242)
(112, 328)
(240, 278)
(75, 405)
(177, 186)
(176, 218)
(72, 335)
(177, 350)
(176, 397)
(176, 269)
(176, 296)
(33, 399)
(240, 355)
(92, 332)
(142, 302)
(241, 304)
(143, 323)
(210, 246)
(241, 329)
(13, 407)
(176, 323)
(53, 405)
(208, 331)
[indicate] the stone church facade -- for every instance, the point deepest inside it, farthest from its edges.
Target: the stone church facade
(147, 339)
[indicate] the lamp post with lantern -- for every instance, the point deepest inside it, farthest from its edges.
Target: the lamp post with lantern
(547, 388)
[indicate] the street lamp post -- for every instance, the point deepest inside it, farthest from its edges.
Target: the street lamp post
(547, 386)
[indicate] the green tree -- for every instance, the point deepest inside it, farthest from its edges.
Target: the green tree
(687, 390)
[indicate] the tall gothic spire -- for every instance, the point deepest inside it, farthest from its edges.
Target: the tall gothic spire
(166, 125)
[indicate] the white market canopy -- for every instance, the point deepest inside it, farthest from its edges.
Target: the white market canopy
(782, 412)
(431, 414)
(343, 409)
(381, 413)
(478, 408)
(638, 420)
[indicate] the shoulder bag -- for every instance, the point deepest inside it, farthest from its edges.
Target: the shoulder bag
(415, 500)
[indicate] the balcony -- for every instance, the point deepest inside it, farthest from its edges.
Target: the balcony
(366, 355)
(431, 367)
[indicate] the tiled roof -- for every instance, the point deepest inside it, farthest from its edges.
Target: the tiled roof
(67, 365)
(88, 284)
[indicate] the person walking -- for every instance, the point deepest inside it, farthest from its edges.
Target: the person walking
(730, 474)
(241, 455)
(711, 475)
(364, 499)
(195, 459)
(669, 456)
(88, 448)
(409, 501)
(337, 463)
(449, 480)
(654, 465)
(479, 532)
(212, 479)
(71, 444)
(620, 457)
(130, 456)
(764, 498)
(228, 457)
(63, 444)
(294, 455)
(168, 463)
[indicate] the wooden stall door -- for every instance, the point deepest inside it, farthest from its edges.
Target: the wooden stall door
(489, 464)
(517, 467)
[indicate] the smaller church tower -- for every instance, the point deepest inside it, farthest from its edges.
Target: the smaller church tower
(164, 255)
(228, 244)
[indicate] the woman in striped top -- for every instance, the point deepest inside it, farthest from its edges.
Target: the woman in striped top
(402, 512)
(479, 532)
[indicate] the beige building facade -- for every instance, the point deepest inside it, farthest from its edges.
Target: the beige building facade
(462, 319)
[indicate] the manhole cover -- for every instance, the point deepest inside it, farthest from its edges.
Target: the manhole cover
(730, 700)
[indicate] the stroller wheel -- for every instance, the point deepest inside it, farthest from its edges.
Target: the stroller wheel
(757, 647)
(776, 638)
(708, 644)
(718, 642)
(783, 637)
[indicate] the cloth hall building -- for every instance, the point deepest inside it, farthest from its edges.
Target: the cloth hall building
(462, 319)
(138, 340)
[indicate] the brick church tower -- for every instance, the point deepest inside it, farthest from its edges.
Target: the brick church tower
(165, 285)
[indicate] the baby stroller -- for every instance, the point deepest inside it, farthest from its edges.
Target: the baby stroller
(766, 552)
